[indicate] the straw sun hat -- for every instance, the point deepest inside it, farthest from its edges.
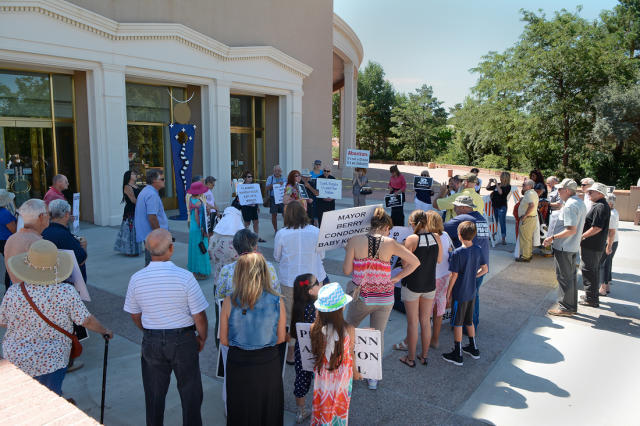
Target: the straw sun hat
(43, 264)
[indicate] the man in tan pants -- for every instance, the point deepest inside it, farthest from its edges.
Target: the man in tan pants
(528, 214)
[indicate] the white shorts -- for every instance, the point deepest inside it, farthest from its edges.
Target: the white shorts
(410, 296)
(422, 206)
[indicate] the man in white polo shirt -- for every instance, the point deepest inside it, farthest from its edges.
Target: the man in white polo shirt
(166, 303)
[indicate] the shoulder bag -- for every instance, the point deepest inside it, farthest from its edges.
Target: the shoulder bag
(76, 346)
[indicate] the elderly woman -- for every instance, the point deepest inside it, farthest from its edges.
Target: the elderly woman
(221, 251)
(8, 223)
(291, 192)
(34, 346)
(58, 233)
(252, 325)
(612, 246)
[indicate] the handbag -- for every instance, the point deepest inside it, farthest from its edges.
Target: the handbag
(76, 346)
(267, 201)
(202, 247)
(366, 190)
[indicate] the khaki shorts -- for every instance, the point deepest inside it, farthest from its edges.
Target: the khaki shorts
(409, 296)
(287, 293)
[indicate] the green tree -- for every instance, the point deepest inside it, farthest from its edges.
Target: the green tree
(623, 22)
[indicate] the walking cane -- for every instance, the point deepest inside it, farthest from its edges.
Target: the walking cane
(104, 376)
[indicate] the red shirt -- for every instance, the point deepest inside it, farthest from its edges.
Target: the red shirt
(52, 194)
(398, 183)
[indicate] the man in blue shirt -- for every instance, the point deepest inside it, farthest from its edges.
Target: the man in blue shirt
(464, 209)
(150, 213)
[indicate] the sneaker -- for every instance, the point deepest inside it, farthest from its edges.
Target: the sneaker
(560, 312)
(301, 414)
(372, 384)
(453, 357)
(523, 259)
(471, 351)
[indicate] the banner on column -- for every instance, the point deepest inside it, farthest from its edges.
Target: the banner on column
(182, 136)
(340, 225)
(329, 188)
(357, 158)
(249, 194)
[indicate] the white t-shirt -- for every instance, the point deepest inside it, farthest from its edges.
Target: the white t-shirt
(442, 268)
(211, 201)
(614, 219)
(295, 249)
(167, 296)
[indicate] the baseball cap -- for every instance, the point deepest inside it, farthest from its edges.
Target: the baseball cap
(469, 177)
(464, 201)
(318, 162)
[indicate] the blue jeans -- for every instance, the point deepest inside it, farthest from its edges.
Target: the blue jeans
(500, 215)
(53, 380)
(164, 351)
(476, 309)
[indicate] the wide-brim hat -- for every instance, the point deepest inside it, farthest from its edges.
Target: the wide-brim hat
(331, 297)
(598, 187)
(43, 264)
(197, 188)
(230, 223)
(464, 201)
(568, 183)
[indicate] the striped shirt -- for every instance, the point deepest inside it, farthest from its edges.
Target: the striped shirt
(374, 278)
(167, 296)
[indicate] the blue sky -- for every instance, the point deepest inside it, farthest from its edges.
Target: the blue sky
(437, 41)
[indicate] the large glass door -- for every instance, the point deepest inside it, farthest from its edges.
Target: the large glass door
(247, 137)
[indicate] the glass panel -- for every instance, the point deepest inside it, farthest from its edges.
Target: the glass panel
(24, 94)
(240, 111)
(260, 167)
(241, 154)
(147, 151)
(28, 152)
(148, 103)
(259, 109)
(66, 155)
(62, 96)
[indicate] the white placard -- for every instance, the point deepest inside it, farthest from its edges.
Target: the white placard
(278, 193)
(329, 188)
(76, 211)
(399, 233)
(367, 350)
(357, 158)
(338, 226)
(77, 280)
(249, 193)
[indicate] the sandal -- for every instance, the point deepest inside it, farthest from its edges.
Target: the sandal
(423, 360)
(402, 346)
(408, 362)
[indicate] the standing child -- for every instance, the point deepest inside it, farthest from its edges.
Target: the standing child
(305, 292)
(332, 343)
(466, 264)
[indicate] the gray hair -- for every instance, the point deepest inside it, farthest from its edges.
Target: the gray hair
(553, 178)
(58, 208)
(587, 181)
(529, 182)
(31, 210)
(58, 178)
(209, 179)
(152, 176)
(611, 199)
(245, 241)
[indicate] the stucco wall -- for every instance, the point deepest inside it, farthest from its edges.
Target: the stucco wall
(300, 28)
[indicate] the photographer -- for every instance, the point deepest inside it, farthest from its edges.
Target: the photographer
(423, 196)
(499, 196)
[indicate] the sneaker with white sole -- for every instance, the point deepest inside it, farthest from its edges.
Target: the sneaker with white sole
(453, 357)
(471, 351)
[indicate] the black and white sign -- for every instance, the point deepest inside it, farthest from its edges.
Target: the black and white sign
(399, 233)
(304, 340)
(329, 188)
(357, 158)
(249, 194)
(392, 200)
(610, 189)
(278, 193)
(338, 226)
(422, 182)
(303, 192)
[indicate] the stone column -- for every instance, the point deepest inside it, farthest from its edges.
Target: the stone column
(220, 143)
(348, 102)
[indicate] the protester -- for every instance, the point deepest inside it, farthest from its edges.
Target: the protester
(332, 344)
(555, 203)
(252, 324)
(539, 186)
(397, 185)
(467, 264)
(527, 214)
(295, 249)
(36, 219)
(274, 209)
(212, 207)
(8, 224)
(149, 213)
(594, 240)
(584, 185)
(312, 202)
(423, 196)
(325, 204)
(612, 246)
(58, 233)
(59, 183)
(305, 293)
(468, 183)
(435, 225)
(291, 192)
(464, 210)
(126, 242)
(565, 240)
(478, 185)
(198, 261)
(368, 260)
(360, 181)
(221, 251)
(316, 172)
(30, 343)
(166, 303)
(250, 212)
(419, 287)
(499, 199)
(454, 186)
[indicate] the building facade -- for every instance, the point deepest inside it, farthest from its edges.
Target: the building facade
(89, 87)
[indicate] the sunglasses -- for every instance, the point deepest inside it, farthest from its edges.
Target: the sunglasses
(160, 179)
(327, 171)
(249, 177)
(296, 175)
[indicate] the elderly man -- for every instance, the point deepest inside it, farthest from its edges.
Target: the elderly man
(594, 239)
(166, 303)
(468, 188)
(149, 214)
(565, 240)
(528, 215)
(59, 183)
(465, 211)
(584, 185)
(274, 209)
(58, 233)
(555, 201)
(36, 219)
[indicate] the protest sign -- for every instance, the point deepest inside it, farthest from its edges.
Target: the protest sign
(340, 225)
(278, 193)
(393, 200)
(329, 188)
(399, 233)
(357, 158)
(422, 182)
(610, 189)
(249, 193)
(304, 340)
(76, 211)
(77, 279)
(303, 192)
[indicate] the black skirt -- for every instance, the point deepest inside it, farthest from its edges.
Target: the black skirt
(255, 394)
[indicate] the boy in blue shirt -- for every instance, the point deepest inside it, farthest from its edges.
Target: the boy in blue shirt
(467, 263)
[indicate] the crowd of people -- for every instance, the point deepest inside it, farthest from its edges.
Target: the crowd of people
(441, 264)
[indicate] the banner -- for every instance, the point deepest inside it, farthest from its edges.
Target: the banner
(181, 136)
(329, 188)
(399, 233)
(249, 194)
(75, 211)
(357, 158)
(338, 226)
(392, 200)
(422, 182)
(278, 193)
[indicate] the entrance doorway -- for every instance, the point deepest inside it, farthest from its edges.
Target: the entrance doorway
(247, 137)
